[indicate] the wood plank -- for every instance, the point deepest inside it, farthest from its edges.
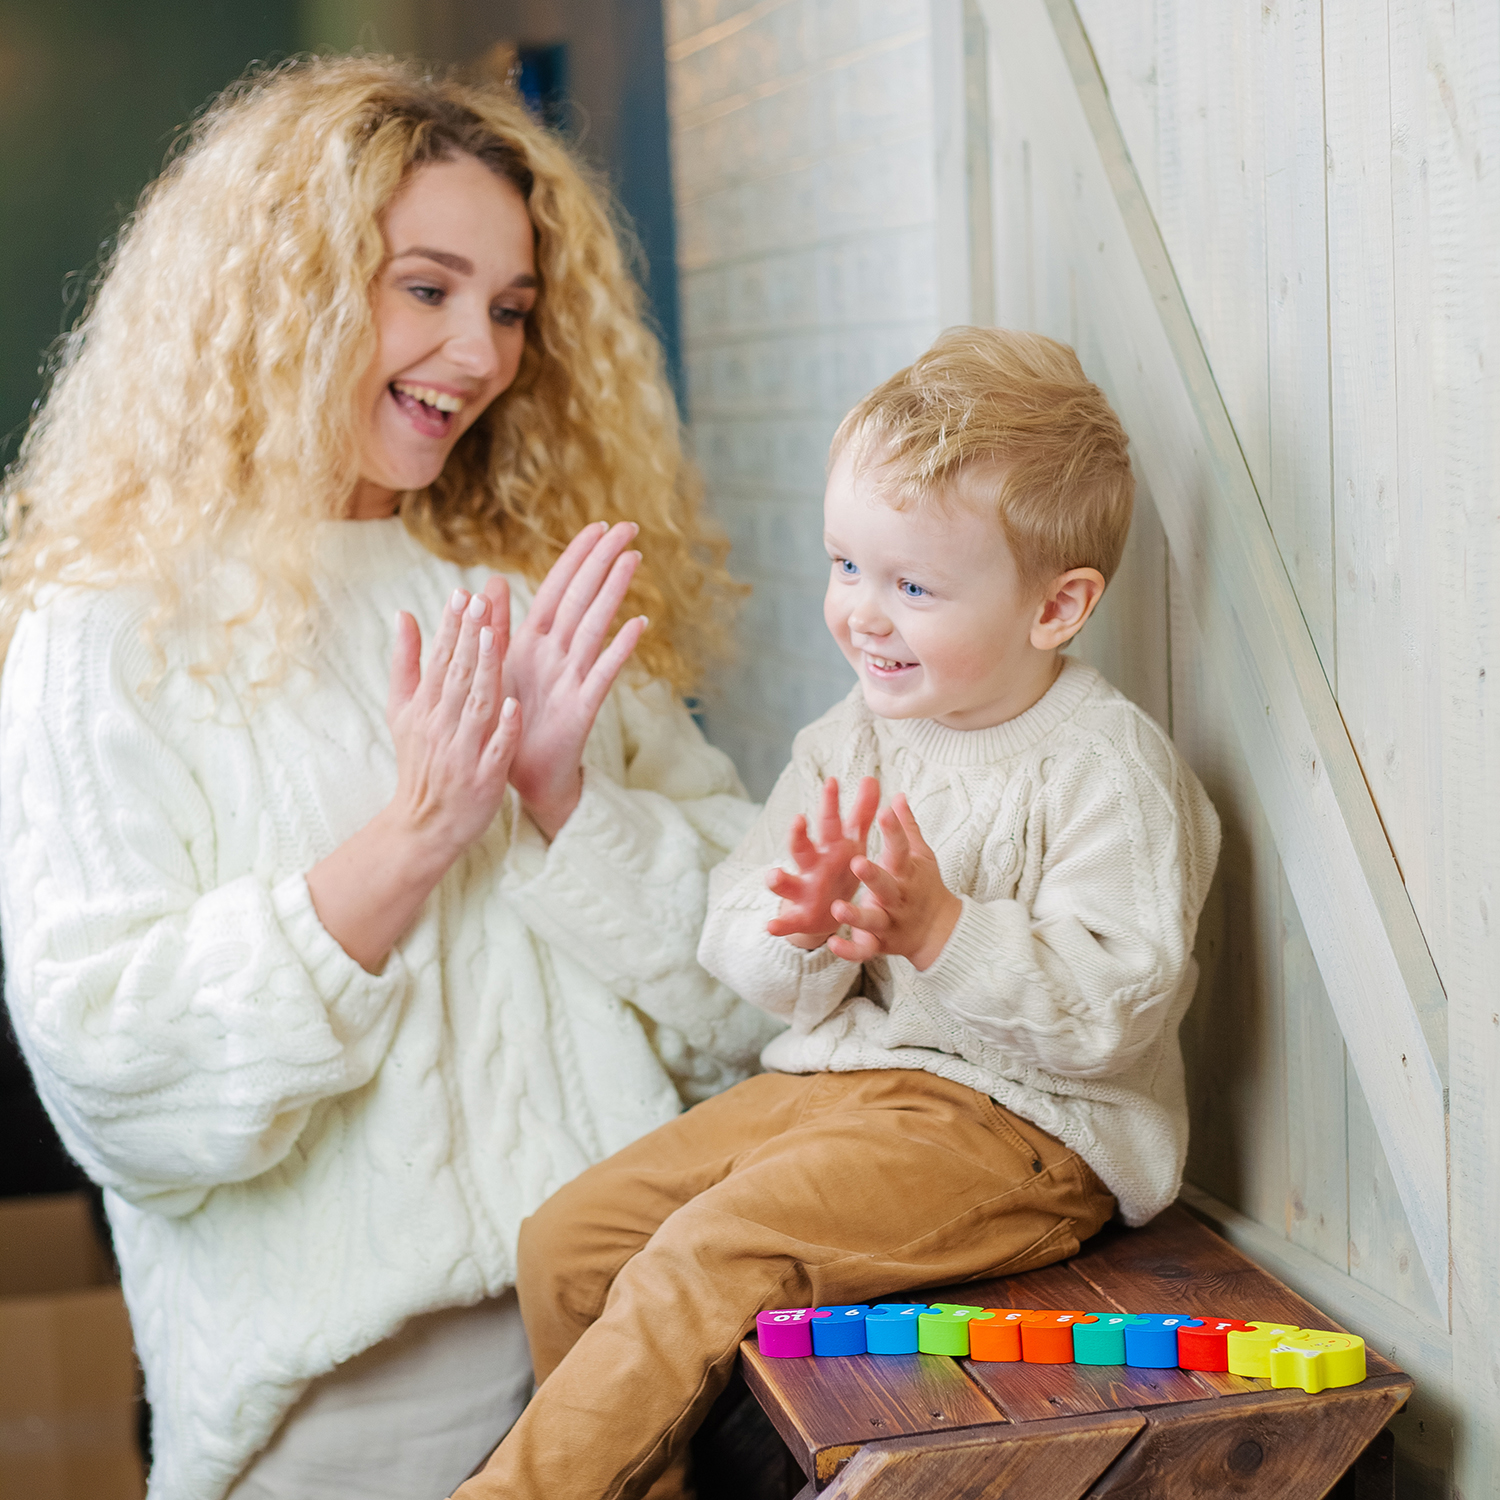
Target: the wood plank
(1260, 1445)
(1317, 1090)
(1037, 1393)
(1299, 500)
(1052, 1461)
(1359, 920)
(826, 1409)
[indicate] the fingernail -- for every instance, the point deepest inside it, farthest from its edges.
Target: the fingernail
(601, 526)
(476, 606)
(644, 622)
(635, 529)
(508, 709)
(486, 640)
(457, 602)
(635, 555)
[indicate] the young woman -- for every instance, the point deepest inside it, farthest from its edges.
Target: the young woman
(331, 964)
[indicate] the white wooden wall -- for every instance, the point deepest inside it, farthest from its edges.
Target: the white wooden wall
(1323, 182)
(802, 143)
(1272, 230)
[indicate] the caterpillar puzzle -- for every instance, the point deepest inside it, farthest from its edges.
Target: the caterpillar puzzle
(1286, 1355)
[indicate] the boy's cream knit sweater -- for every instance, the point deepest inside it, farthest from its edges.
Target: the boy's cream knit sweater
(298, 1155)
(1082, 849)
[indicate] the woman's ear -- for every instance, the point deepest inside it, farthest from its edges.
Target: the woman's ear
(1068, 602)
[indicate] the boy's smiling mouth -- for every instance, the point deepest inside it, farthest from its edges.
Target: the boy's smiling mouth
(885, 666)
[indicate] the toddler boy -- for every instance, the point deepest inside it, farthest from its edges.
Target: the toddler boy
(981, 1061)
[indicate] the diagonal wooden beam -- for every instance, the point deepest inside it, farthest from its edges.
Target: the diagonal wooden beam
(1045, 1461)
(1364, 933)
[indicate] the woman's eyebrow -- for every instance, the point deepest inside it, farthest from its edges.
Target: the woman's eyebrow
(460, 263)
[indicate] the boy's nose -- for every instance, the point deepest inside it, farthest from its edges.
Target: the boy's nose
(867, 621)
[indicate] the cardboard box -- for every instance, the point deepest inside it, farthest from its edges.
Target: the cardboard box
(68, 1376)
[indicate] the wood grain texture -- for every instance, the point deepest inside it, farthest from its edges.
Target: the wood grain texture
(825, 1409)
(1358, 917)
(1257, 1446)
(1057, 1465)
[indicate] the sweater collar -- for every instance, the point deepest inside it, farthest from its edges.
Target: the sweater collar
(938, 744)
(367, 550)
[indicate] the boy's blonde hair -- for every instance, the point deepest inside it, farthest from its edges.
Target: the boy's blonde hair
(202, 409)
(1010, 421)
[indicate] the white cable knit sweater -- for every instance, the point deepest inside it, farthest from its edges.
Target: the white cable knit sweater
(299, 1155)
(1082, 848)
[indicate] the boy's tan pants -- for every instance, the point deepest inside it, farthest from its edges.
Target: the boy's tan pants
(639, 1279)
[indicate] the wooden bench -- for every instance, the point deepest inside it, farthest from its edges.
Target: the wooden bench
(919, 1427)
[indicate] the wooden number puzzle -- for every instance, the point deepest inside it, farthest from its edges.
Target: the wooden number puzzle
(1313, 1359)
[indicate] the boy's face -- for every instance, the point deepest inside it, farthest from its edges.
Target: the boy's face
(929, 607)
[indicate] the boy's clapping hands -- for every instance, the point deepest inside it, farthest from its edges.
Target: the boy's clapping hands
(907, 910)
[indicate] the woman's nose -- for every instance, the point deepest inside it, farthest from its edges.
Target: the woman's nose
(472, 349)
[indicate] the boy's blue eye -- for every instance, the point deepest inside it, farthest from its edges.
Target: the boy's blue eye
(912, 590)
(845, 567)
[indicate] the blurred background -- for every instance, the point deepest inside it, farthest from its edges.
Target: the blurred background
(94, 92)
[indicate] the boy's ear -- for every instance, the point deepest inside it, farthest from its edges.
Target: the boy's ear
(1067, 603)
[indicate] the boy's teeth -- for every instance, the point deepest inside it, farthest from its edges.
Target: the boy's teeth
(441, 400)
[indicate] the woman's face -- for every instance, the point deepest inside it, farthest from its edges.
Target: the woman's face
(450, 308)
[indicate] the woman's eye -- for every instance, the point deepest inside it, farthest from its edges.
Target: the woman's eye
(508, 317)
(431, 295)
(845, 567)
(913, 590)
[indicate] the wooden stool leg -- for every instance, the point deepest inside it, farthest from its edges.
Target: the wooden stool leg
(1372, 1476)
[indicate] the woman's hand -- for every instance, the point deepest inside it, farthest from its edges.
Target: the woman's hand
(456, 735)
(808, 898)
(907, 909)
(557, 670)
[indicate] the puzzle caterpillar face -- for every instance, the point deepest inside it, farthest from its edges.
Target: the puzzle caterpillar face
(1286, 1356)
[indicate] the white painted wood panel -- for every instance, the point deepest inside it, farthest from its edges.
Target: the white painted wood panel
(1357, 916)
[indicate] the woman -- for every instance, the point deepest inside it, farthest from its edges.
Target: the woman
(328, 979)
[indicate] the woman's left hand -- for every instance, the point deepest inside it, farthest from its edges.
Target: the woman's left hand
(560, 671)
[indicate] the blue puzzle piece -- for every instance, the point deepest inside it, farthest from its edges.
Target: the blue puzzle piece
(1151, 1340)
(842, 1331)
(891, 1328)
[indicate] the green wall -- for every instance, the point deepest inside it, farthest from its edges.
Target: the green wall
(91, 94)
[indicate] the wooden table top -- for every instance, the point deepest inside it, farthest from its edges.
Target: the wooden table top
(888, 1427)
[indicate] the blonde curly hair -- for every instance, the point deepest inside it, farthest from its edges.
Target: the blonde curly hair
(202, 409)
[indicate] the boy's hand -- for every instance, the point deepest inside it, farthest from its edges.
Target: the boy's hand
(807, 899)
(907, 908)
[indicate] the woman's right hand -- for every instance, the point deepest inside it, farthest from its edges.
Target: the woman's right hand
(455, 732)
(456, 735)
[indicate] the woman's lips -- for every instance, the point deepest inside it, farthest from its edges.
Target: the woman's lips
(428, 420)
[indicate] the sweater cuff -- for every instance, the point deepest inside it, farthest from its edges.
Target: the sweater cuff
(569, 864)
(355, 998)
(965, 971)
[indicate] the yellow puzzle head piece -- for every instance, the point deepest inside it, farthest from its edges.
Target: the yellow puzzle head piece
(1317, 1361)
(1250, 1348)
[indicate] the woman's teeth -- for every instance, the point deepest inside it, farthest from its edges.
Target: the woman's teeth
(440, 400)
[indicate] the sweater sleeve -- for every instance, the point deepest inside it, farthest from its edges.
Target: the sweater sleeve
(180, 1029)
(802, 987)
(621, 889)
(1080, 978)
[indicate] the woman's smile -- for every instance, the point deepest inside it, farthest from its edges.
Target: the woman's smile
(430, 410)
